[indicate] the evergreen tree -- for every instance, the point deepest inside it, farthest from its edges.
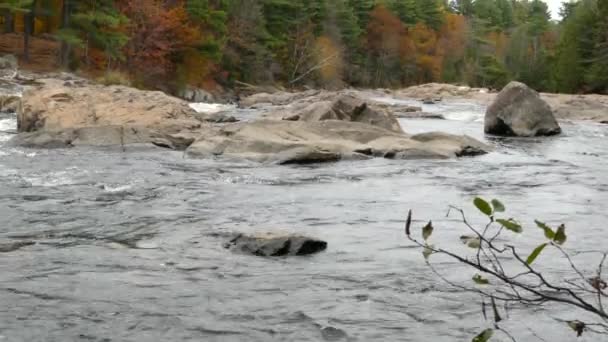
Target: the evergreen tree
(430, 12)
(406, 10)
(96, 24)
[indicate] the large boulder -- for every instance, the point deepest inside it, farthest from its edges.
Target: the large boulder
(271, 245)
(300, 142)
(72, 112)
(519, 111)
(59, 104)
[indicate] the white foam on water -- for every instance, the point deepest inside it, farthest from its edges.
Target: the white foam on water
(9, 124)
(113, 189)
(211, 108)
(53, 179)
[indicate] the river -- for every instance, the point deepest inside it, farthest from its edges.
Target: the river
(127, 246)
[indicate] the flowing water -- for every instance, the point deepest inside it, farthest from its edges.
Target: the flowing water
(128, 246)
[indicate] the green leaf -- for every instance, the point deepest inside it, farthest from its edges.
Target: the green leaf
(535, 253)
(471, 241)
(484, 336)
(549, 234)
(498, 206)
(577, 326)
(427, 231)
(511, 225)
(483, 206)
(479, 280)
(560, 237)
(427, 252)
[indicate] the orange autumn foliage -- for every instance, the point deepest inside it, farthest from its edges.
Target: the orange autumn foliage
(453, 35)
(329, 59)
(158, 33)
(384, 31)
(429, 54)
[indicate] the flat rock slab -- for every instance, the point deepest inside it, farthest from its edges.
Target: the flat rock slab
(300, 142)
(270, 245)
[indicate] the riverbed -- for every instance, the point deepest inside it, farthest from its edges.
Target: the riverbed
(127, 246)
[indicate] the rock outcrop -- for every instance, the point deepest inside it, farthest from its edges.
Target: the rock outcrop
(345, 108)
(289, 142)
(73, 112)
(270, 245)
(590, 107)
(519, 111)
(67, 104)
(318, 126)
(102, 136)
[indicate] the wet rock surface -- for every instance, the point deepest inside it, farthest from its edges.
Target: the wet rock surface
(271, 245)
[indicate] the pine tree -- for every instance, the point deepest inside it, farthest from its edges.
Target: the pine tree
(430, 12)
(405, 10)
(597, 74)
(96, 24)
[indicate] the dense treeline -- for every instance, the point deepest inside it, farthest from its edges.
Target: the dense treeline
(329, 43)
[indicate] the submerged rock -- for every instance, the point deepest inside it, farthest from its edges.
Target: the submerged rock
(270, 245)
(13, 246)
(519, 111)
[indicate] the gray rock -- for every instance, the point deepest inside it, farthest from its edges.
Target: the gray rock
(519, 111)
(344, 108)
(10, 103)
(216, 118)
(431, 101)
(13, 246)
(43, 139)
(103, 136)
(306, 155)
(419, 115)
(196, 95)
(323, 141)
(270, 245)
(8, 66)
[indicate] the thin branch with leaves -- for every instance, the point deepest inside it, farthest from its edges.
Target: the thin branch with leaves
(522, 282)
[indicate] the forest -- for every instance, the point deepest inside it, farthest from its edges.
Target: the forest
(323, 43)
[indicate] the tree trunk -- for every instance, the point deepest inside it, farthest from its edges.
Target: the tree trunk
(65, 23)
(9, 26)
(28, 30)
(26, 37)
